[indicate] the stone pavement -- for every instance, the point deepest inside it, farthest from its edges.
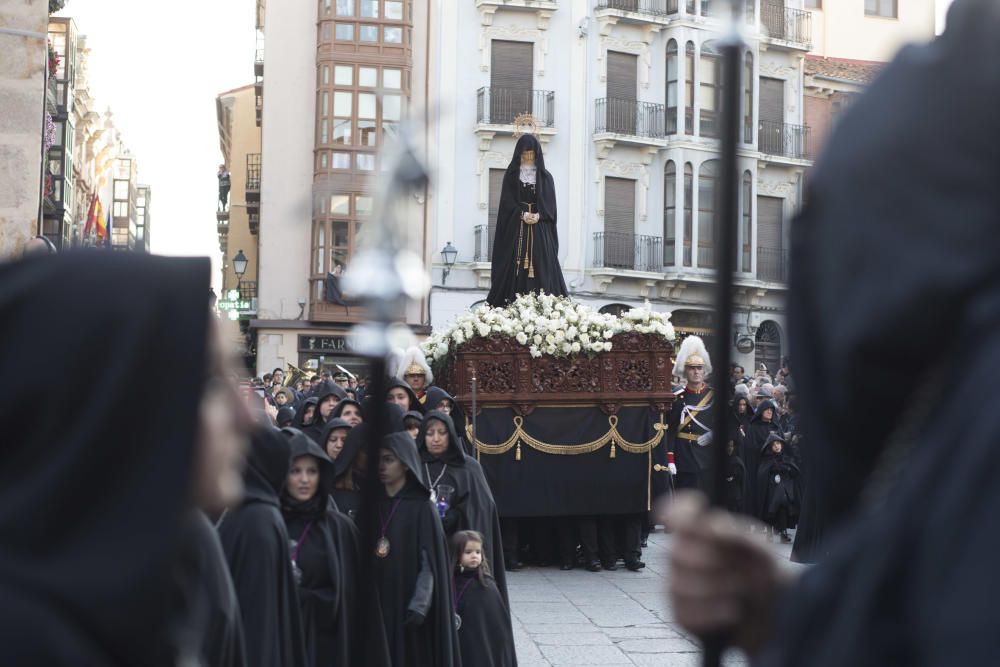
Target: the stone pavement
(603, 618)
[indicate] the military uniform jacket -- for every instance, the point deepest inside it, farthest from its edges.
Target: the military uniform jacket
(690, 418)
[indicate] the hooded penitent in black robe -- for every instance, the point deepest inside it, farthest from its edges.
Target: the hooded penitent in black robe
(327, 389)
(485, 636)
(329, 427)
(736, 481)
(256, 544)
(434, 397)
(300, 421)
(757, 434)
(415, 403)
(414, 579)
(778, 484)
(94, 496)
(515, 241)
(327, 560)
(893, 304)
(349, 475)
(339, 409)
(472, 506)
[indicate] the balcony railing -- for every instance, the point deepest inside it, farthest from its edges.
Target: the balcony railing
(647, 7)
(483, 252)
(253, 221)
(783, 139)
(634, 252)
(500, 106)
(772, 265)
(253, 178)
(630, 117)
(787, 24)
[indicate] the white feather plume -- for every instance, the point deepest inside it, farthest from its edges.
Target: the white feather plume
(413, 355)
(692, 345)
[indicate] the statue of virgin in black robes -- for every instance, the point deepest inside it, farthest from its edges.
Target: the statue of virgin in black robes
(526, 245)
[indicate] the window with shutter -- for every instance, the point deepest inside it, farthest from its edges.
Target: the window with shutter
(770, 136)
(708, 178)
(770, 238)
(669, 212)
(511, 79)
(622, 92)
(496, 185)
(619, 223)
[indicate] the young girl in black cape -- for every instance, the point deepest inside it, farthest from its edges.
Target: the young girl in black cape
(484, 627)
(778, 488)
(472, 506)
(761, 426)
(324, 552)
(412, 566)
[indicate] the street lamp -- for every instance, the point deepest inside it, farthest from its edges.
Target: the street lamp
(240, 267)
(449, 254)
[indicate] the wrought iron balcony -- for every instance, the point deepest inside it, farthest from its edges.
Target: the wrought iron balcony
(484, 251)
(253, 221)
(253, 181)
(772, 265)
(647, 7)
(632, 252)
(782, 139)
(222, 223)
(500, 106)
(786, 24)
(630, 117)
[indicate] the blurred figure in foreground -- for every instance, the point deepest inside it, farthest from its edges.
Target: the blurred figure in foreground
(895, 307)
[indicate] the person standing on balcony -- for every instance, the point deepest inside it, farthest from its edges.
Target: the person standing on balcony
(224, 185)
(526, 246)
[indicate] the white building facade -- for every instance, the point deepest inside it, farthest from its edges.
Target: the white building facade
(626, 94)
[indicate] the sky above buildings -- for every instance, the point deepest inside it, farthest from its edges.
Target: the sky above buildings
(159, 67)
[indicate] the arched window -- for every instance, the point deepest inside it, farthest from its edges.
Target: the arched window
(669, 212)
(708, 179)
(689, 87)
(748, 98)
(746, 230)
(672, 87)
(709, 90)
(768, 350)
(688, 211)
(616, 309)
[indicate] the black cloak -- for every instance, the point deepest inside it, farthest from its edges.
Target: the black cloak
(327, 389)
(893, 301)
(328, 427)
(339, 409)
(347, 473)
(328, 562)
(472, 507)
(434, 397)
(757, 434)
(415, 403)
(778, 483)
(299, 421)
(93, 499)
(736, 481)
(285, 416)
(256, 544)
(414, 580)
(509, 276)
(485, 636)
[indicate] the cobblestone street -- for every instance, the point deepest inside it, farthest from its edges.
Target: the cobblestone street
(604, 618)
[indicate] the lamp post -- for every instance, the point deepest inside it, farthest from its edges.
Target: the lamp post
(448, 254)
(240, 262)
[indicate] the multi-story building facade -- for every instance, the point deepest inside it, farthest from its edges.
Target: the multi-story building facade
(58, 193)
(143, 217)
(332, 97)
(627, 95)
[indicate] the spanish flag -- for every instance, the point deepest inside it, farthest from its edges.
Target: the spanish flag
(102, 224)
(92, 215)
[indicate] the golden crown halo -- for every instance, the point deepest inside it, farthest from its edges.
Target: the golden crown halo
(525, 121)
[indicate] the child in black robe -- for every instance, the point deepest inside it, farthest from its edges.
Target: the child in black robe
(482, 616)
(778, 488)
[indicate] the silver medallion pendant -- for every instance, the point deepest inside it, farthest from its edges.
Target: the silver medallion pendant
(777, 479)
(382, 547)
(458, 622)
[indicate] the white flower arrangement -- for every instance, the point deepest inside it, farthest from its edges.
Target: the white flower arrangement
(547, 325)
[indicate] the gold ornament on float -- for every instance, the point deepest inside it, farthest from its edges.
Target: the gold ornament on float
(525, 123)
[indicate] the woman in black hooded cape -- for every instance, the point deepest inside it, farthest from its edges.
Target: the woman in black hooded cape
(414, 575)
(435, 395)
(93, 501)
(415, 404)
(350, 471)
(472, 506)
(328, 391)
(753, 445)
(256, 544)
(327, 560)
(526, 256)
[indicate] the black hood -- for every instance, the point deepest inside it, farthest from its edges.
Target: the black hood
(267, 466)
(774, 437)
(454, 454)
(286, 416)
(298, 421)
(92, 502)
(337, 411)
(356, 439)
(330, 426)
(414, 402)
(758, 416)
(402, 445)
(736, 404)
(543, 179)
(299, 444)
(326, 390)
(434, 396)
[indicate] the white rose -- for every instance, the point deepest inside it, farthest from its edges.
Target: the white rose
(535, 352)
(608, 334)
(607, 347)
(575, 347)
(627, 326)
(522, 339)
(566, 348)
(536, 339)
(529, 329)
(597, 347)
(571, 332)
(484, 330)
(550, 339)
(560, 335)
(459, 336)
(550, 349)
(585, 339)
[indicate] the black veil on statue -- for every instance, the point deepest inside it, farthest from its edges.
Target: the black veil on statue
(509, 275)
